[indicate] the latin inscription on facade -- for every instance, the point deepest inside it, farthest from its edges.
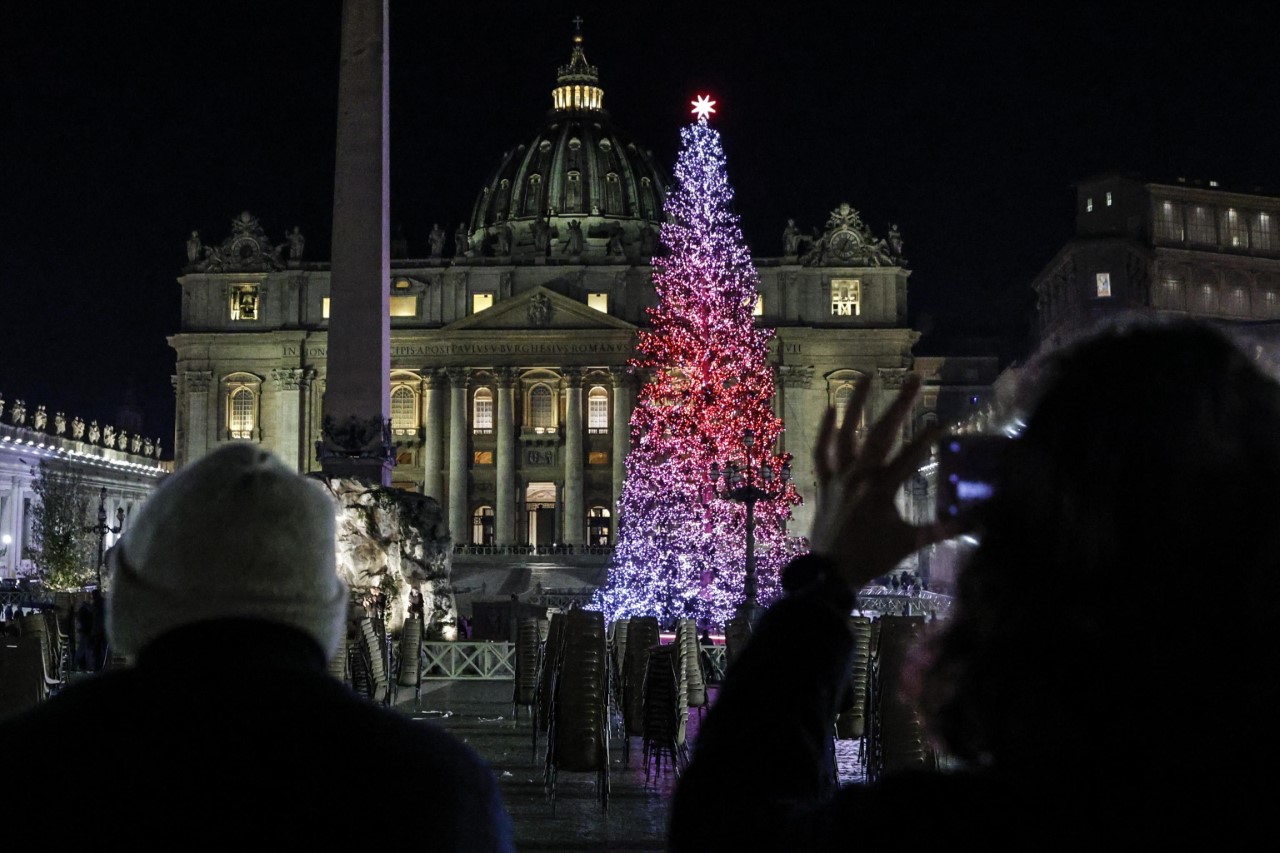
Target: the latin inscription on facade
(450, 349)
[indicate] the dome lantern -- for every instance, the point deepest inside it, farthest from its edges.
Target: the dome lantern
(578, 82)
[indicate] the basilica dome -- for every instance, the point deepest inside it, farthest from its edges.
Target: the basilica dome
(580, 186)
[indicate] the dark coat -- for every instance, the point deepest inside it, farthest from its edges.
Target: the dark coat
(757, 777)
(230, 734)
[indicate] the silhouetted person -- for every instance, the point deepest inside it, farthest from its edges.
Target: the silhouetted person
(1066, 707)
(227, 728)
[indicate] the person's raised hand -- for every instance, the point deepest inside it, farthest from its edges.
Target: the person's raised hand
(857, 526)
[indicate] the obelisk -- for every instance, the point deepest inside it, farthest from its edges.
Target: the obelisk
(356, 434)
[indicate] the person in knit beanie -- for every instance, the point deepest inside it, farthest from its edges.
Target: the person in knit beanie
(225, 728)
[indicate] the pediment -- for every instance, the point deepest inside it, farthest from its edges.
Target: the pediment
(536, 310)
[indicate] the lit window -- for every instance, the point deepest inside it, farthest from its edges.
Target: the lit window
(1169, 221)
(481, 301)
(482, 411)
(1200, 225)
(1262, 235)
(598, 301)
(404, 410)
(598, 525)
(1103, 285)
(540, 414)
(846, 297)
(1088, 205)
(598, 457)
(597, 410)
(403, 284)
(1238, 302)
(1234, 231)
(240, 416)
(1108, 198)
(482, 526)
(842, 397)
(404, 306)
(758, 309)
(244, 302)
(482, 457)
(324, 308)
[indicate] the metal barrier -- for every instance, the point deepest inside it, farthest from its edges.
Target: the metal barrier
(479, 661)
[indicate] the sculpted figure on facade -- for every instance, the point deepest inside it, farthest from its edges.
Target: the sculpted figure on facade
(157, 453)
(40, 418)
(147, 447)
(461, 245)
(1, 404)
(437, 240)
(108, 436)
(541, 236)
(194, 247)
(77, 427)
(135, 443)
(297, 243)
(648, 239)
(539, 310)
(122, 440)
(895, 241)
(94, 432)
(18, 414)
(615, 240)
(60, 423)
(573, 244)
(503, 246)
(790, 238)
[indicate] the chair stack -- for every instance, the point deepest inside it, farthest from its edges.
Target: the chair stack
(36, 625)
(691, 674)
(642, 634)
(339, 664)
(23, 679)
(410, 665)
(578, 735)
(851, 724)
(377, 686)
(665, 712)
(528, 649)
(550, 653)
(897, 739)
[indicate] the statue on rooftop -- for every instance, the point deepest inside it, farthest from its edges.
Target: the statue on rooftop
(573, 244)
(94, 432)
(60, 423)
(541, 236)
(18, 414)
(194, 247)
(77, 427)
(461, 245)
(790, 239)
(135, 443)
(40, 418)
(437, 240)
(296, 243)
(108, 436)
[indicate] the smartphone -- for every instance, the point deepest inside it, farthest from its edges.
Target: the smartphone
(968, 472)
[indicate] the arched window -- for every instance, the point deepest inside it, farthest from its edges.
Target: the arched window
(241, 393)
(597, 410)
(533, 196)
(573, 193)
(541, 415)
(482, 411)
(482, 526)
(844, 393)
(598, 525)
(241, 411)
(612, 193)
(404, 410)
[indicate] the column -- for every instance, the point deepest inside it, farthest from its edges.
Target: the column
(286, 384)
(504, 512)
(574, 513)
(433, 436)
(200, 414)
(620, 428)
(357, 427)
(801, 410)
(456, 508)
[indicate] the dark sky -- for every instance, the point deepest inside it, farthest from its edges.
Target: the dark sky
(125, 125)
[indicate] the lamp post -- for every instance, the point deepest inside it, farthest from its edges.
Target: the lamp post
(102, 529)
(740, 485)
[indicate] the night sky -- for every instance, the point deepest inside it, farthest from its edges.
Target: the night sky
(127, 125)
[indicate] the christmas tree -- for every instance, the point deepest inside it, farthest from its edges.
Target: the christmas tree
(705, 401)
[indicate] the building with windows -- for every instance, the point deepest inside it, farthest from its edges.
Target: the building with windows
(115, 461)
(510, 395)
(1178, 248)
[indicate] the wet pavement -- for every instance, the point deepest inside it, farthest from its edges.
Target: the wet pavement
(480, 713)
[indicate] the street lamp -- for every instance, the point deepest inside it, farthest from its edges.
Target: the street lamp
(102, 529)
(740, 485)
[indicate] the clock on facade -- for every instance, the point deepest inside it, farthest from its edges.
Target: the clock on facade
(844, 244)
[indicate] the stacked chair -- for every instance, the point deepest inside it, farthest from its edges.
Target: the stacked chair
(546, 677)
(37, 625)
(896, 740)
(692, 677)
(528, 653)
(617, 655)
(642, 635)
(578, 727)
(340, 663)
(409, 665)
(851, 724)
(666, 713)
(369, 669)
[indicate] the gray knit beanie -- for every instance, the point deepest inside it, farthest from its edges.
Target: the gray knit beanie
(235, 534)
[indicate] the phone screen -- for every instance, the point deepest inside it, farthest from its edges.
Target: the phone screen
(968, 470)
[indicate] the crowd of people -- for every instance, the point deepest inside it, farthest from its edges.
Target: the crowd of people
(1149, 460)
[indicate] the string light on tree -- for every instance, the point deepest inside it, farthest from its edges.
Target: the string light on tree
(708, 381)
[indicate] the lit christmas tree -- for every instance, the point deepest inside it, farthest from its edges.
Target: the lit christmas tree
(682, 548)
